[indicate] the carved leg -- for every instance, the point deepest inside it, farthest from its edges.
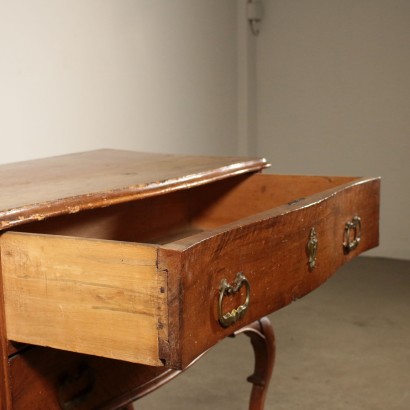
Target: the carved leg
(263, 343)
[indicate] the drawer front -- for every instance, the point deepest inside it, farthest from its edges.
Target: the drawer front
(43, 378)
(283, 254)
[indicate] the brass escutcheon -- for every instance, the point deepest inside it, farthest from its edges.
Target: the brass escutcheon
(226, 289)
(354, 226)
(312, 248)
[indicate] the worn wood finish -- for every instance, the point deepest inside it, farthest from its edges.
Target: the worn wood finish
(51, 379)
(74, 381)
(149, 220)
(157, 219)
(202, 220)
(270, 249)
(263, 343)
(82, 295)
(5, 397)
(39, 189)
(235, 199)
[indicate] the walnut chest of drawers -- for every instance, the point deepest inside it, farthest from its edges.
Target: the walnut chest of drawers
(129, 261)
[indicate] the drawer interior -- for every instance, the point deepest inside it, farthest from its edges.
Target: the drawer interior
(166, 218)
(89, 272)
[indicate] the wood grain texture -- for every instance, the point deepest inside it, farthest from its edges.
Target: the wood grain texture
(270, 249)
(98, 297)
(152, 304)
(237, 237)
(42, 378)
(36, 190)
(55, 375)
(161, 218)
(5, 396)
(263, 343)
(244, 196)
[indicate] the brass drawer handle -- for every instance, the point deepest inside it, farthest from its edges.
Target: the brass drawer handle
(354, 226)
(225, 288)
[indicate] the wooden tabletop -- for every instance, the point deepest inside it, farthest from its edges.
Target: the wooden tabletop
(38, 189)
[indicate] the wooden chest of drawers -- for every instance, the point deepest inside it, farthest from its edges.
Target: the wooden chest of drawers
(152, 259)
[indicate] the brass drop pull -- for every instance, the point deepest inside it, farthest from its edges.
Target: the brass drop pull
(226, 289)
(351, 241)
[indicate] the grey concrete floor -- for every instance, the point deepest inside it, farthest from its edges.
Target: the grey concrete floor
(344, 346)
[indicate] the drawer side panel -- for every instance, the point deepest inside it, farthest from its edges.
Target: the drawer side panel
(97, 297)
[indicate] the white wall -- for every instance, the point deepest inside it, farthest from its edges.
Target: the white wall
(333, 97)
(324, 89)
(152, 75)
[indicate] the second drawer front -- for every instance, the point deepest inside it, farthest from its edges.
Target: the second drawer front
(43, 378)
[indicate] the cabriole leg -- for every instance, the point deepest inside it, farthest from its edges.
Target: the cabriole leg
(263, 343)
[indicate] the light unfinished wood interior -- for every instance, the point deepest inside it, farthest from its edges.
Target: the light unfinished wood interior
(104, 298)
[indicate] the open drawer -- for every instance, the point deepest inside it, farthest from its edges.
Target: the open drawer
(159, 280)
